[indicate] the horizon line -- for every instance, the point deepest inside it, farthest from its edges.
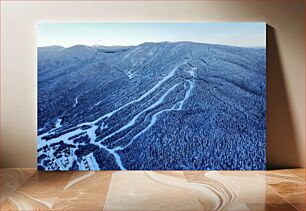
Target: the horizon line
(96, 45)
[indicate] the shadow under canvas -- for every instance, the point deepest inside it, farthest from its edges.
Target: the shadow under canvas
(281, 146)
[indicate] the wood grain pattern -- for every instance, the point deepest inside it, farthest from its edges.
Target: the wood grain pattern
(28, 189)
(11, 179)
(85, 190)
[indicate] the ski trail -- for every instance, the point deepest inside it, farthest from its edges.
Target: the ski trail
(165, 78)
(76, 101)
(155, 87)
(132, 122)
(133, 71)
(116, 155)
(154, 117)
(40, 129)
(91, 131)
(58, 123)
(153, 120)
(187, 95)
(92, 135)
(91, 160)
(103, 126)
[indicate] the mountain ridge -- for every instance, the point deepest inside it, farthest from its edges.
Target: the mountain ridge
(205, 101)
(127, 46)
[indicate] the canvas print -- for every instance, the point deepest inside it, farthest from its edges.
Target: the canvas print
(151, 96)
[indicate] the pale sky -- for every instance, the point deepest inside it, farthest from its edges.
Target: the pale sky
(243, 34)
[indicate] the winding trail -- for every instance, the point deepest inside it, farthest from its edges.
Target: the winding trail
(94, 126)
(76, 101)
(132, 122)
(154, 117)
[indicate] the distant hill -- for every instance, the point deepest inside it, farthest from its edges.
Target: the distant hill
(167, 106)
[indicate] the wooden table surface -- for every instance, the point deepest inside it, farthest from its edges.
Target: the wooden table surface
(28, 189)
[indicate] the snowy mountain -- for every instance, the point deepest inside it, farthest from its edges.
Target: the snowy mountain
(167, 106)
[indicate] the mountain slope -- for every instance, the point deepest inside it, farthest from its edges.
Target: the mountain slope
(162, 105)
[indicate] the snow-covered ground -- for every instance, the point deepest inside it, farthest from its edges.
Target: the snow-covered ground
(163, 80)
(89, 161)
